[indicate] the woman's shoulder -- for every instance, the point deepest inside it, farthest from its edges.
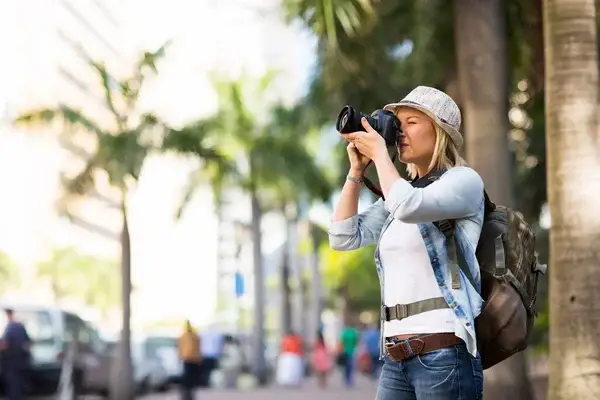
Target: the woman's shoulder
(464, 176)
(464, 172)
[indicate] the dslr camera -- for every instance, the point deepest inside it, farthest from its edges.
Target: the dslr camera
(383, 121)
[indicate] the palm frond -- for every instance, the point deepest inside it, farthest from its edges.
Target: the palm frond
(130, 88)
(121, 156)
(150, 58)
(332, 18)
(213, 173)
(194, 138)
(109, 84)
(280, 160)
(151, 131)
(72, 117)
(82, 183)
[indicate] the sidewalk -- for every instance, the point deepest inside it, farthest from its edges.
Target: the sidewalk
(363, 390)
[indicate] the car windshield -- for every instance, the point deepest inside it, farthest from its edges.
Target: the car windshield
(156, 345)
(37, 323)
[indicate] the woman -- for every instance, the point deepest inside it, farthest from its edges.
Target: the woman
(321, 361)
(430, 347)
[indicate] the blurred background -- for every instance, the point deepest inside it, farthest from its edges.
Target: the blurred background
(177, 160)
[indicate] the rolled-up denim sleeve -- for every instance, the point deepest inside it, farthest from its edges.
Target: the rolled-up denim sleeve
(359, 230)
(457, 194)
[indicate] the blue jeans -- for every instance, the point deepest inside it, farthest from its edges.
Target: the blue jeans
(447, 374)
(349, 364)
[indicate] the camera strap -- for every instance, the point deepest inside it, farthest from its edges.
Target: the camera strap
(370, 185)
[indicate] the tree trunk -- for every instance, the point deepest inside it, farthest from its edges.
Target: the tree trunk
(573, 147)
(317, 296)
(286, 292)
(483, 80)
(122, 374)
(258, 339)
(297, 271)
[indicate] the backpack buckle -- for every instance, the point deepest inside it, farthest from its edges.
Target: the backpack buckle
(541, 268)
(446, 227)
(384, 313)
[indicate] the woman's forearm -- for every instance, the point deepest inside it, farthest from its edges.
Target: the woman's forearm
(347, 205)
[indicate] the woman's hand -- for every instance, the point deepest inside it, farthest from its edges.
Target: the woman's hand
(357, 160)
(369, 144)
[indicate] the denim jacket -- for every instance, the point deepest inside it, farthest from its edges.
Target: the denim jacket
(456, 195)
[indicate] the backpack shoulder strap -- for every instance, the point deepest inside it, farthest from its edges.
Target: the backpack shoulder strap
(456, 260)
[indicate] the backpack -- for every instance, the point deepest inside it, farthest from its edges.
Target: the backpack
(510, 271)
(509, 276)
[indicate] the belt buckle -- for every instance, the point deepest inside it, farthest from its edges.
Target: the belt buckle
(409, 350)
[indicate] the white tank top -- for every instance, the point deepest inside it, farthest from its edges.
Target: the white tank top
(409, 277)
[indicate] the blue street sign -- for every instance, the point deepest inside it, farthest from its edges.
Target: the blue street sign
(239, 284)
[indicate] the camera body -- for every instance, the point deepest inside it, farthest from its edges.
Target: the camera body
(383, 121)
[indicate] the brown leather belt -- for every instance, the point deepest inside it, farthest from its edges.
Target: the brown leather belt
(402, 349)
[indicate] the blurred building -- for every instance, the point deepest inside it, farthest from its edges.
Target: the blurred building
(49, 45)
(50, 59)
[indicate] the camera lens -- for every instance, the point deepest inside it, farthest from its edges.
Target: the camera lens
(346, 120)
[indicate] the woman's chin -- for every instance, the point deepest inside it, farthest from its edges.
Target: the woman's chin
(405, 159)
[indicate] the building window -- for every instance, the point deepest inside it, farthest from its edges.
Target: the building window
(85, 22)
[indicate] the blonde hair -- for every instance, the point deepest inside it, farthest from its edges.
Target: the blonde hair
(445, 154)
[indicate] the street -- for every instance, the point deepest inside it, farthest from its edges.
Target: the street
(363, 390)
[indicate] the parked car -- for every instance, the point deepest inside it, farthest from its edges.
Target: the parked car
(164, 347)
(52, 331)
(149, 374)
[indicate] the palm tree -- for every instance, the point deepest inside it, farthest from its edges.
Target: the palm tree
(573, 181)
(119, 153)
(270, 164)
(482, 60)
(300, 180)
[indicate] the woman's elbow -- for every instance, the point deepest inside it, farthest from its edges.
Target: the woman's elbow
(344, 242)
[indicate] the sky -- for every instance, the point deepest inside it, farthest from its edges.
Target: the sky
(173, 262)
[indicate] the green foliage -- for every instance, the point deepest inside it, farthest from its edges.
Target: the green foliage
(353, 276)
(398, 45)
(9, 273)
(271, 156)
(70, 274)
(122, 145)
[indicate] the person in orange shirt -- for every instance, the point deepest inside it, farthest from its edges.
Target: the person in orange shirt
(290, 365)
(189, 354)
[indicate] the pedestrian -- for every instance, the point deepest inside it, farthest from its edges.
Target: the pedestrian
(231, 362)
(371, 340)
(15, 359)
(211, 343)
(189, 354)
(349, 340)
(321, 361)
(290, 365)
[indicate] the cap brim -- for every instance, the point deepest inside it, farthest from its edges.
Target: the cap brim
(454, 133)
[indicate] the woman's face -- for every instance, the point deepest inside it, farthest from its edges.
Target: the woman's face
(417, 143)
